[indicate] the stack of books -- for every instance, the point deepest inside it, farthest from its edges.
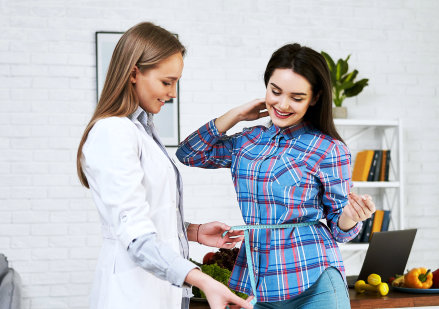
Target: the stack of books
(379, 222)
(371, 165)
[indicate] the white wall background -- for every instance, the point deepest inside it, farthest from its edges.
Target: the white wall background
(49, 228)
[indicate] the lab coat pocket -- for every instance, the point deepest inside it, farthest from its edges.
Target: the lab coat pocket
(134, 288)
(129, 284)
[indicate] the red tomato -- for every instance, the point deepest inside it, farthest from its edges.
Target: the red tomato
(207, 257)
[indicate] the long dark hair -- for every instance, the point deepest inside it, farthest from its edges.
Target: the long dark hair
(312, 66)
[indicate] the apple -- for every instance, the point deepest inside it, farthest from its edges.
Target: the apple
(207, 257)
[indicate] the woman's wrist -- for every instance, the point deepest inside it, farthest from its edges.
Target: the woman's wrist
(193, 232)
(228, 120)
(345, 223)
(197, 278)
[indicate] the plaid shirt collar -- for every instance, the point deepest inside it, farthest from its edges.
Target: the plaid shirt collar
(289, 132)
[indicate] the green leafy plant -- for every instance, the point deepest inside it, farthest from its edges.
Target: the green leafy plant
(219, 274)
(219, 266)
(343, 82)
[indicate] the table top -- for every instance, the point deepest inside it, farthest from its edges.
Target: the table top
(371, 301)
(392, 300)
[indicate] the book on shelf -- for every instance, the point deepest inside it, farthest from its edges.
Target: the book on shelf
(378, 222)
(357, 239)
(371, 165)
(387, 166)
(362, 164)
(383, 166)
(386, 221)
(366, 233)
(377, 175)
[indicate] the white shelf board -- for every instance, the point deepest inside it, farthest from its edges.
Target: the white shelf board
(366, 122)
(376, 184)
(353, 246)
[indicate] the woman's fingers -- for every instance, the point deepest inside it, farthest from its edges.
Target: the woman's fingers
(228, 246)
(235, 232)
(260, 101)
(263, 114)
(231, 243)
(356, 208)
(362, 205)
(238, 302)
(369, 202)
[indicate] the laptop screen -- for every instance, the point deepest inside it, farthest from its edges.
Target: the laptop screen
(387, 254)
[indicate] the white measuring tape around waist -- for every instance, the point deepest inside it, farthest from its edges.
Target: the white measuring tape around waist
(246, 229)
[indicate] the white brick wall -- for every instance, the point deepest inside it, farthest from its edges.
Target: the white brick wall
(49, 228)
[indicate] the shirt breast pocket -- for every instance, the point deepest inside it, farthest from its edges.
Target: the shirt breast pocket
(288, 173)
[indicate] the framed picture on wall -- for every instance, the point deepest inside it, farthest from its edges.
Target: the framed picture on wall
(167, 122)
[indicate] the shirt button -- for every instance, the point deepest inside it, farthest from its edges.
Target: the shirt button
(181, 235)
(256, 270)
(123, 217)
(257, 223)
(256, 249)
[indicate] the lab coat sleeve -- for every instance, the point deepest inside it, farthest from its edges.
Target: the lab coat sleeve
(155, 257)
(111, 162)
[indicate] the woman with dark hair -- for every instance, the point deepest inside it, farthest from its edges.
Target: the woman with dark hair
(137, 189)
(287, 177)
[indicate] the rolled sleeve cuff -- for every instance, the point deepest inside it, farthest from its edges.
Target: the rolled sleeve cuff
(212, 130)
(134, 228)
(212, 127)
(345, 236)
(178, 270)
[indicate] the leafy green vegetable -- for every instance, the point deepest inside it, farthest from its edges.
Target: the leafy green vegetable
(218, 273)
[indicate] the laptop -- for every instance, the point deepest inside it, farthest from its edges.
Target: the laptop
(386, 255)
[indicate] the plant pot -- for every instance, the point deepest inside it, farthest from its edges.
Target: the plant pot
(340, 112)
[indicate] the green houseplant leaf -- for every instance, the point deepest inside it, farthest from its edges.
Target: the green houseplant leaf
(331, 66)
(343, 82)
(356, 88)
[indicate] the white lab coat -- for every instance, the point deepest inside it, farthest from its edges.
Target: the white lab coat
(134, 188)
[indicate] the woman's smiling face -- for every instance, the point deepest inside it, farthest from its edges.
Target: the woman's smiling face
(156, 86)
(288, 97)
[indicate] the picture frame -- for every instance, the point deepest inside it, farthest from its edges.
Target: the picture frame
(167, 122)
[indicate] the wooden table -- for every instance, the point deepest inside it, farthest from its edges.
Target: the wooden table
(372, 301)
(392, 300)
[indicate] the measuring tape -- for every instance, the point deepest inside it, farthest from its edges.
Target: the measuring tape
(246, 229)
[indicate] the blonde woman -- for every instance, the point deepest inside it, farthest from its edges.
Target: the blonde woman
(137, 188)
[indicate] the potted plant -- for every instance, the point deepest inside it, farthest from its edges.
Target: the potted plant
(343, 83)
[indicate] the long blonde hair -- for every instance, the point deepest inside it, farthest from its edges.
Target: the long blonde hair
(144, 46)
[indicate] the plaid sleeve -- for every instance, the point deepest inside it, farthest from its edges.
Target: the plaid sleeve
(206, 148)
(335, 175)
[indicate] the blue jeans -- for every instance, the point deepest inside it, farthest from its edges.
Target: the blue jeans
(329, 291)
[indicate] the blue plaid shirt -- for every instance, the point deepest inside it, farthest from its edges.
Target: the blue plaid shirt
(290, 175)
